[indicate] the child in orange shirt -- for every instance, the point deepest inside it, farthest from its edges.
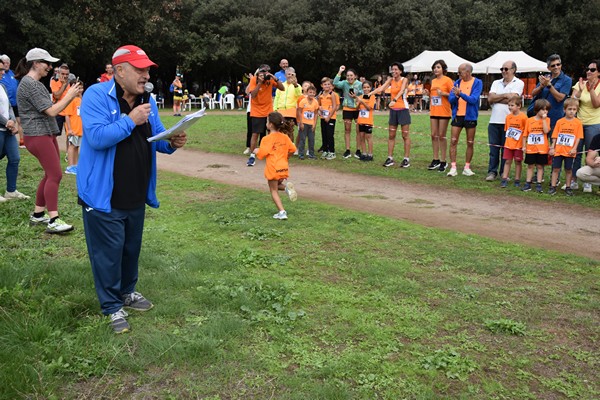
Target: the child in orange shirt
(277, 147)
(513, 144)
(329, 102)
(366, 105)
(74, 128)
(567, 133)
(307, 112)
(535, 143)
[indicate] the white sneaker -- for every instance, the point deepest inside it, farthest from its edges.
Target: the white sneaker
(296, 153)
(280, 215)
(575, 185)
(2, 199)
(58, 226)
(468, 172)
(587, 188)
(291, 192)
(452, 172)
(330, 156)
(16, 195)
(247, 151)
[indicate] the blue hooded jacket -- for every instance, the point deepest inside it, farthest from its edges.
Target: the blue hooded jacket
(472, 100)
(103, 128)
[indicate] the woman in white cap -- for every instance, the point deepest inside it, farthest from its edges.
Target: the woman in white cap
(40, 131)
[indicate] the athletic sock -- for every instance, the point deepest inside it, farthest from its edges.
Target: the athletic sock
(468, 165)
(38, 214)
(53, 219)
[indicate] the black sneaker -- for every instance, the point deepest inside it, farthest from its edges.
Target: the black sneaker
(363, 157)
(442, 167)
(347, 154)
(552, 191)
(434, 165)
(405, 163)
(369, 158)
(526, 187)
(358, 154)
(569, 191)
(388, 162)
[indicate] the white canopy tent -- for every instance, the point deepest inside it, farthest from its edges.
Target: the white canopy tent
(525, 63)
(424, 61)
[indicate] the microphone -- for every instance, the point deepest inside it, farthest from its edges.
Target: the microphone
(148, 88)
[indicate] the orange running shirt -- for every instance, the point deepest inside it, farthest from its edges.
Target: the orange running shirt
(535, 138)
(275, 147)
(439, 106)
(72, 111)
(395, 88)
(55, 86)
(514, 127)
(565, 135)
(262, 103)
(365, 117)
(465, 87)
(327, 104)
(309, 111)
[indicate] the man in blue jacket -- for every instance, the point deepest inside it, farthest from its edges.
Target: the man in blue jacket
(464, 99)
(117, 177)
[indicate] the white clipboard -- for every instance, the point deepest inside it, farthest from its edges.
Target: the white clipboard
(179, 127)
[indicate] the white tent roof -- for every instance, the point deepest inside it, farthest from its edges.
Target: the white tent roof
(423, 62)
(525, 63)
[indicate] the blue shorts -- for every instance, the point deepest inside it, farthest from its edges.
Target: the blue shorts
(558, 162)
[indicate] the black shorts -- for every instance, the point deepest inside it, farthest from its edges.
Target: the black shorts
(537, 159)
(259, 125)
(461, 123)
(558, 162)
(436, 117)
(350, 114)
(399, 117)
(410, 99)
(365, 128)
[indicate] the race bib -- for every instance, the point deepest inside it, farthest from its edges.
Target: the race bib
(436, 100)
(565, 139)
(536, 139)
(513, 133)
(363, 113)
(325, 113)
(309, 114)
(78, 112)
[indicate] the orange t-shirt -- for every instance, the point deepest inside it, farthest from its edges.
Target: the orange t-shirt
(565, 135)
(439, 106)
(514, 127)
(412, 89)
(275, 147)
(465, 87)
(534, 137)
(395, 88)
(309, 111)
(72, 111)
(261, 105)
(55, 86)
(365, 117)
(326, 101)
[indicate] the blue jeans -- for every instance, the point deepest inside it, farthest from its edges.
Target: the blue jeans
(114, 241)
(10, 147)
(496, 136)
(589, 132)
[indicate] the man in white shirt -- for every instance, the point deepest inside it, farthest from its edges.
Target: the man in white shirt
(501, 91)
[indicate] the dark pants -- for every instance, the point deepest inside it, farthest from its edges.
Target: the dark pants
(307, 131)
(60, 121)
(327, 132)
(248, 129)
(114, 241)
(496, 136)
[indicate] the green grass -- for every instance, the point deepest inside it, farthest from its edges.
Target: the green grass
(331, 304)
(226, 133)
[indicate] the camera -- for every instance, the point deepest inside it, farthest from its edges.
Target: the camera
(351, 90)
(264, 72)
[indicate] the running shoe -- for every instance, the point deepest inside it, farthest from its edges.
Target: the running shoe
(443, 166)
(58, 226)
(538, 188)
(526, 187)
(468, 172)
(357, 154)
(251, 161)
(16, 195)
(435, 164)
(389, 162)
(347, 154)
(552, 191)
(280, 215)
(291, 191)
(504, 183)
(452, 172)
(136, 301)
(405, 163)
(118, 321)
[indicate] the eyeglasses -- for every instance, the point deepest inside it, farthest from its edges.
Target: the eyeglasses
(503, 69)
(591, 69)
(555, 65)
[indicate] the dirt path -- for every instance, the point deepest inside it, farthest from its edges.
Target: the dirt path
(569, 229)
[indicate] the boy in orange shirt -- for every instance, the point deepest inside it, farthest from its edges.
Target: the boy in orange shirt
(566, 135)
(74, 128)
(535, 143)
(329, 102)
(513, 144)
(277, 147)
(307, 122)
(366, 105)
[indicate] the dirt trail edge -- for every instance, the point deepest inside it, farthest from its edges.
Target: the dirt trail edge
(569, 229)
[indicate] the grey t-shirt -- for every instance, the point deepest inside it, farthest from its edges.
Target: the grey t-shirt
(33, 98)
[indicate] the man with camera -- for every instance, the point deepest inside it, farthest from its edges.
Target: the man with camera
(59, 89)
(260, 89)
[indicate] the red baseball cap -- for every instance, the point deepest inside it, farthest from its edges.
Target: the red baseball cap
(132, 55)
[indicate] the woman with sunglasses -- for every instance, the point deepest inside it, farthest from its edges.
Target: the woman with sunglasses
(588, 92)
(40, 131)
